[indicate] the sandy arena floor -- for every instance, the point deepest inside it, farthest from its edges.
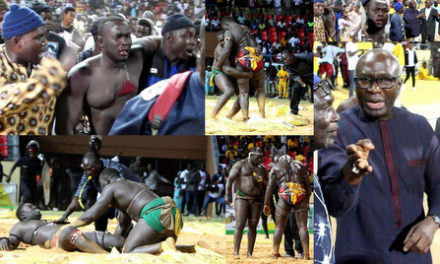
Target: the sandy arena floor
(194, 230)
(262, 252)
(278, 121)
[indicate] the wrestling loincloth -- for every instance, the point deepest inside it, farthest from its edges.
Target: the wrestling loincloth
(163, 215)
(250, 199)
(292, 193)
(214, 73)
(248, 58)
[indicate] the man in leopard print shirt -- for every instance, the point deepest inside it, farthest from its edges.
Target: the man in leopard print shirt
(29, 84)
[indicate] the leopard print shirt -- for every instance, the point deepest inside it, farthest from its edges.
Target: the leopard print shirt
(27, 103)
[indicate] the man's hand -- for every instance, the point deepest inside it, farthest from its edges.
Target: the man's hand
(8, 179)
(228, 200)
(419, 238)
(62, 220)
(4, 244)
(266, 210)
(357, 161)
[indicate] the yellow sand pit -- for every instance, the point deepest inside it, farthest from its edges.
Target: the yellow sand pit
(278, 121)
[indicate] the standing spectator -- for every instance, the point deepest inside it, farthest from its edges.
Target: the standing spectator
(318, 11)
(355, 18)
(4, 7)
(396, 29)
(204, 180)
(139, 168)
(291, 235)
(429, 16)
(216, 191)
(153, 178)
(410, 64)
(271, 76)
(30, 171)
(412, 23)
(352, 58)
(69, 32)
(282, 82)
(192, 183)
(178, 197)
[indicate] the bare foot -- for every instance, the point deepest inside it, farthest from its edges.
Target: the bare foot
(249, 255)
(168, 245)
(276, 255)
(263, 114)
(236, 256)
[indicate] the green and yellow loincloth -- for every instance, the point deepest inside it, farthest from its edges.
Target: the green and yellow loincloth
(251, 199)
(162, 214)
(293, 193)
(214, 73)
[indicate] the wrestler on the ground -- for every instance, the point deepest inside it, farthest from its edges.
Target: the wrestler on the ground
(157, 218)
(250, 178)
(295, 192)
(32, 230)
(241, 47)
(102, 84)
(223, 76)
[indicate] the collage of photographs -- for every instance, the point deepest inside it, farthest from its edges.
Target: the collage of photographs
(219, 131)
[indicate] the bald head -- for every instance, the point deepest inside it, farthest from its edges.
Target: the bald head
(378, 83)
(379, 59)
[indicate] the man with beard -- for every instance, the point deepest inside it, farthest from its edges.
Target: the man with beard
(428, 16)
(374, 176)
(100, 86)
(249, 176)
(377, 18)
(241, 47)
(294, 192)
(32, 230)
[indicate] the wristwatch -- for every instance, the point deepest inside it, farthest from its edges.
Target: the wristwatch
(436, 218)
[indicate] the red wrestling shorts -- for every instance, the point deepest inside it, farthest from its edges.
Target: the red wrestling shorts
(249, 59)
(326, 68)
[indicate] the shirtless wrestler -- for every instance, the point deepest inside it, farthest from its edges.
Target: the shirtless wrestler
(100, 85)
(294, 192)
(32, 230)
(223, 76)
(157, 218)
(241, 47)
(250, 179)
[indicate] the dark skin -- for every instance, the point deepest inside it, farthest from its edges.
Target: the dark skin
(225, 82)
(250, 177)
(120, 193)
(377, 17)
(93, 168)
(27, 48)
(237, 38)
(94, 84)
(32, 230)
(325, 119)
(284, 171)
(377, 104)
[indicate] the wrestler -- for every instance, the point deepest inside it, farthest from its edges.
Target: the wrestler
(241, 47)
(32, 230)
(250, 179)
(377, 18)
(101, 85)
(221, 75)
(157, 218)
(294, 192)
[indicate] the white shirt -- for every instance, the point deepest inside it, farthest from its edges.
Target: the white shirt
(352, 60)
(427, 11)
